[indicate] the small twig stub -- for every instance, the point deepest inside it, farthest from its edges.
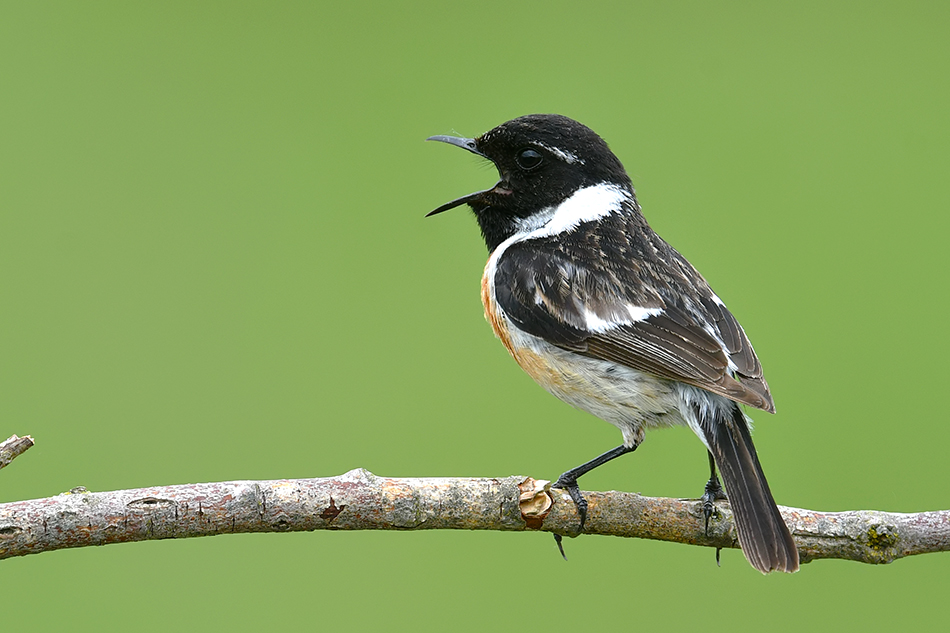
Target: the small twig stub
(13, 447)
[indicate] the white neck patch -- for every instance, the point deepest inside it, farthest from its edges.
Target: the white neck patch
(586, 205)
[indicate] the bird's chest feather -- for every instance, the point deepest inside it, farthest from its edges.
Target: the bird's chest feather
(564, 374)
(620, 395)
(536, 365)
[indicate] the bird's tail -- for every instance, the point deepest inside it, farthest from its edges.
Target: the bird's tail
(763, 535)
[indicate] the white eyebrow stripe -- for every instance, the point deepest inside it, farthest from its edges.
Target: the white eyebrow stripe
(568, 157)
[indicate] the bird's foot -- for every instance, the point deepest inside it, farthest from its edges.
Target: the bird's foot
(713, 493)
(568, 483)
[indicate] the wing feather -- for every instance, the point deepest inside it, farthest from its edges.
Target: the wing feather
(554, 289)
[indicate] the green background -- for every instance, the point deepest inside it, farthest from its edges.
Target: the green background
(214, 265)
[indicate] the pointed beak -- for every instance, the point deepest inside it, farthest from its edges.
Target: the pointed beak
(464, 143)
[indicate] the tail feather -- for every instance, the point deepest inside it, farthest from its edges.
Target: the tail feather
(763, 535)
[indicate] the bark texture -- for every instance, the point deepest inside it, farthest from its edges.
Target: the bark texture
(359, 500)
(13, 447)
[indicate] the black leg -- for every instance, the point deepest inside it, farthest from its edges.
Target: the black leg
(568, 482)
(712, 493)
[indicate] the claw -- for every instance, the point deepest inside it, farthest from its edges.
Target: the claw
(570, 485)
(568, 482)
(713, 493)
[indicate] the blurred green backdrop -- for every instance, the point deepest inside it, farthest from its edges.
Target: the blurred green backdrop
(214, 265)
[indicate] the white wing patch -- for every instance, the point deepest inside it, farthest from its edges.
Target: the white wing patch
(731, 365)
(594, 323)
(642, 314)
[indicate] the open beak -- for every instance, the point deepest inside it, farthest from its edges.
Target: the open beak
(464, 143)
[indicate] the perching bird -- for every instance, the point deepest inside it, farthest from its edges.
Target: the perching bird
(608, 317)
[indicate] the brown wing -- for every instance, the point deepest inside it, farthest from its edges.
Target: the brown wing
(664, 346)
(669, 323)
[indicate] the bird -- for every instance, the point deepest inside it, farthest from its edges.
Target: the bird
(608, 317)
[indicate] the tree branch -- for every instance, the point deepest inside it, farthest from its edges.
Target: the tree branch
(13, 447)
(359, 500)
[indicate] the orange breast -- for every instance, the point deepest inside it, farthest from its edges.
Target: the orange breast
(535, 365)
(498, 324)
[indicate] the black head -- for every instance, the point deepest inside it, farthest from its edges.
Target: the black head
(542, 159)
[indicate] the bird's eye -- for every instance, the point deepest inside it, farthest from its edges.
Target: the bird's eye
(529, 158)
